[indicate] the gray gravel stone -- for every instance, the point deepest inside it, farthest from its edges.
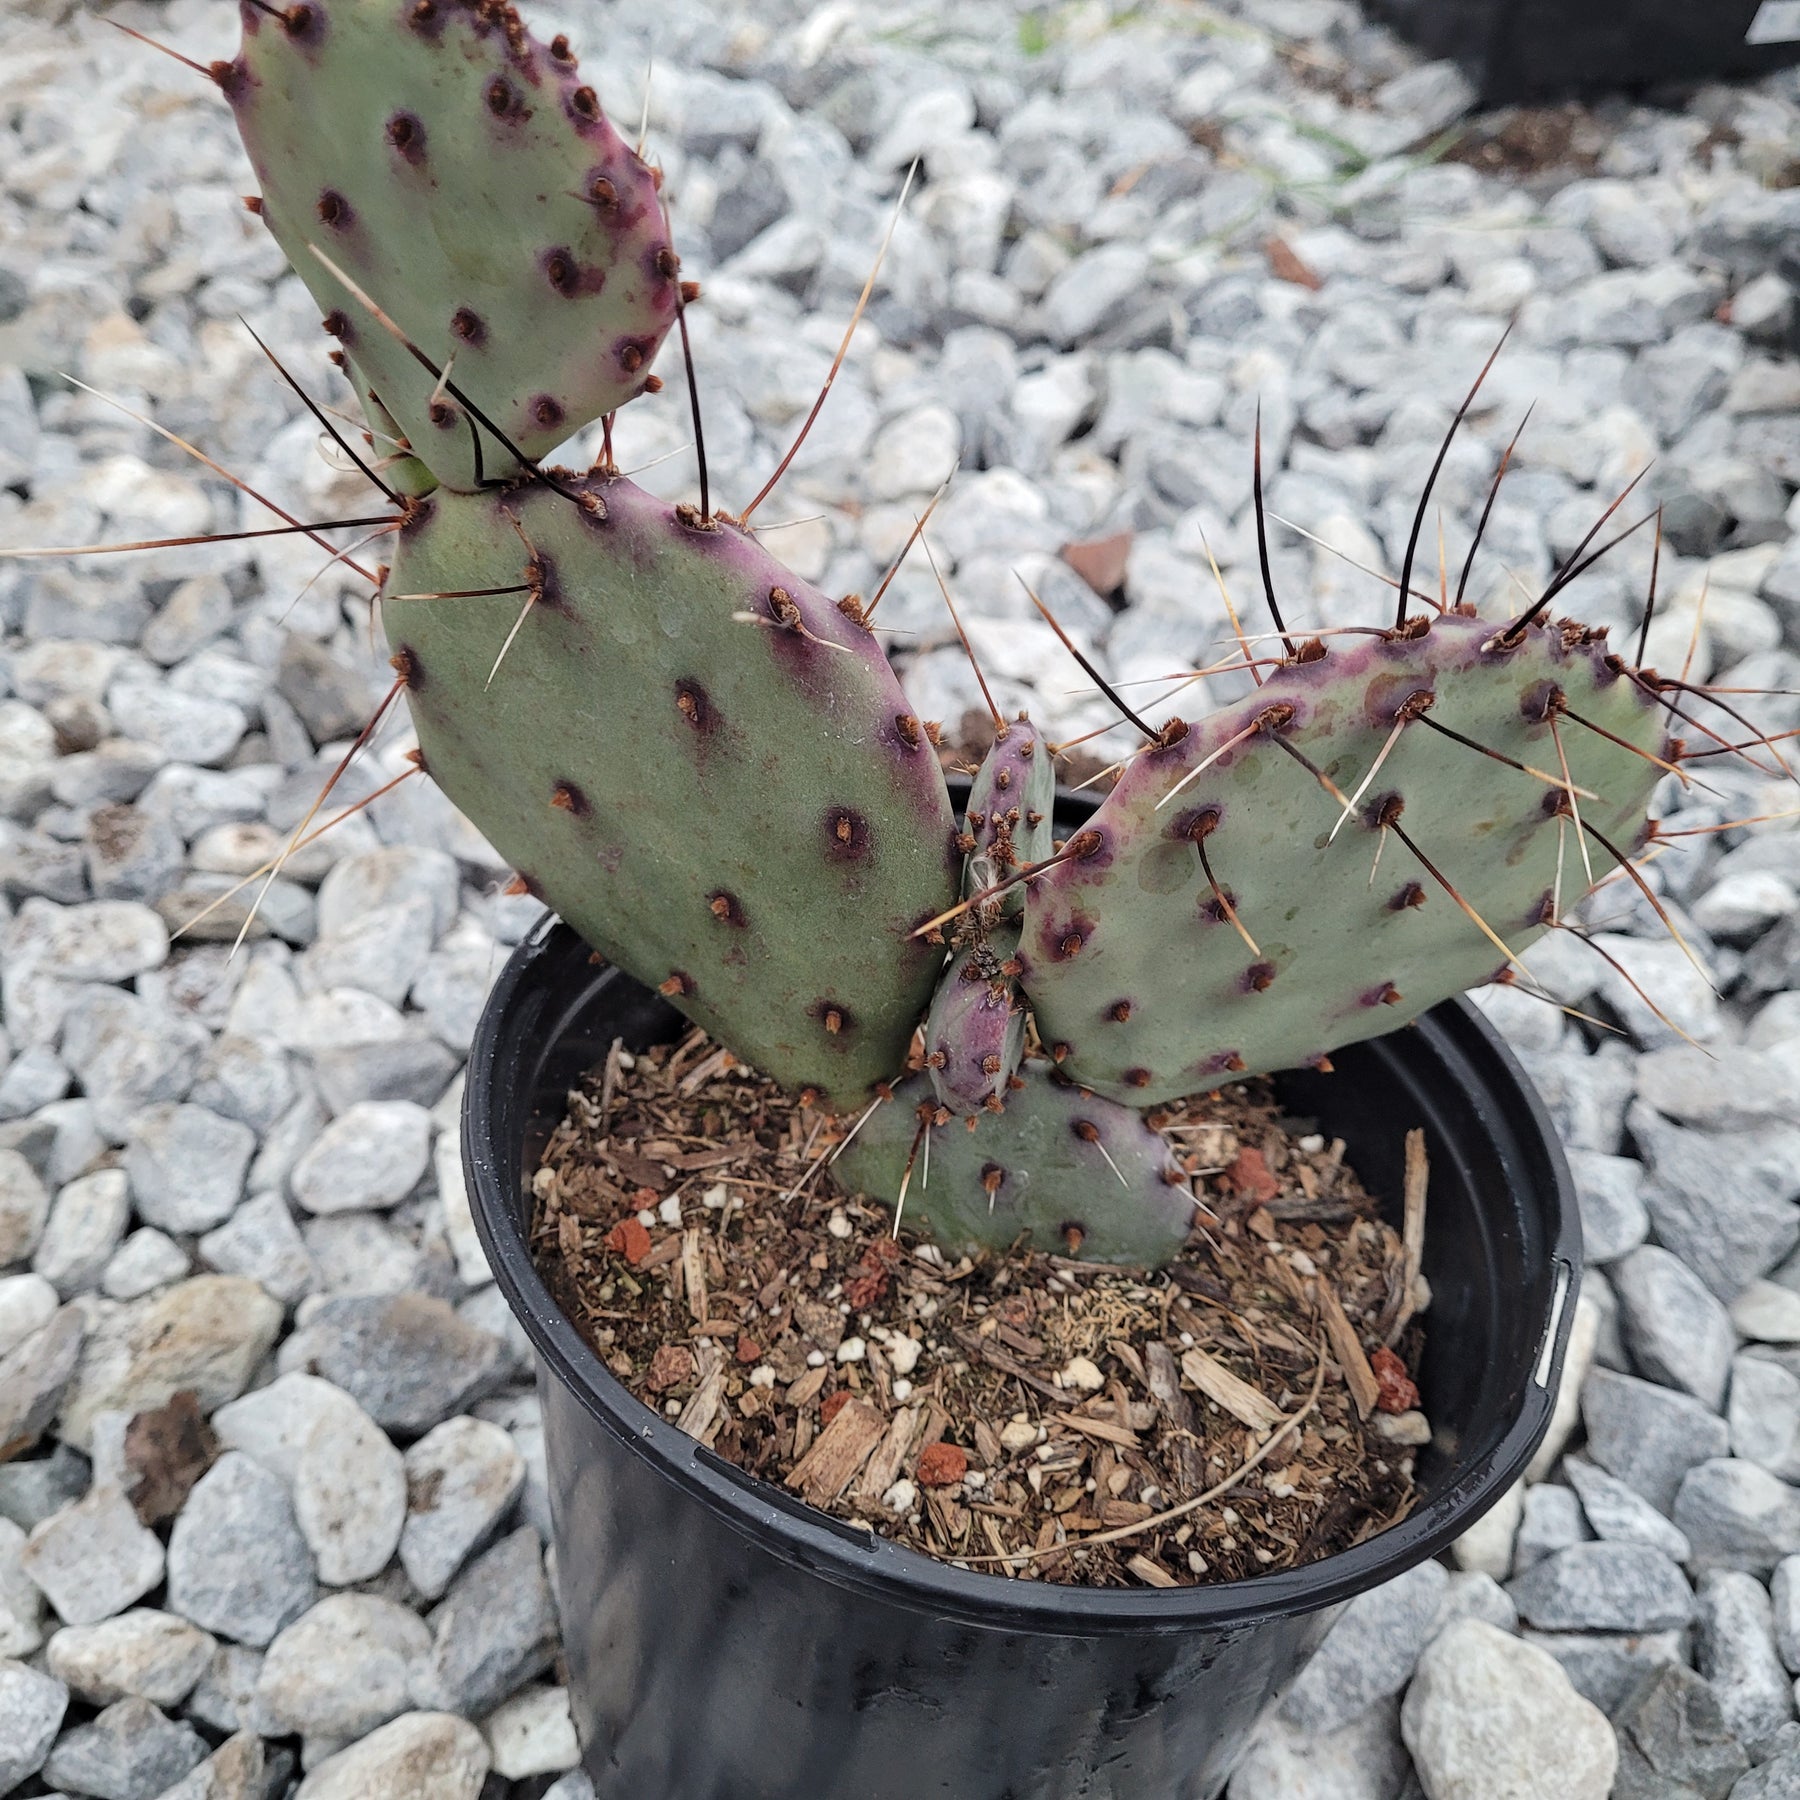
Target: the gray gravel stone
(1648, 1436)
(131, 1751)
(1737, 1516)
(87, 1220)
(261, 1241)
(240, 1769)
(1614, 1220)
(1604, 1587)
(407, 1359)
(1768, 1312)
(1370, 1652)
(494, 1630)
(533, 1733)
(1764, 1415)
(128, 1054)
(1675, 1742)
(1777, 1780)
(31, 1710)
(238, 1565)
(343, 1668)
(1607, 1667)
(417, 1754)
(1619, 1514)
(1550, 1521)
(1735, 1651)
(360, 885)
(142, 1654)
(462, 1479)
(1677, 1332)
(1725, 1236)
(186, 1166)
(93, 1558)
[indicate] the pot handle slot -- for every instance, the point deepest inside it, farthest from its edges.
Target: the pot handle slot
(1559, 1299)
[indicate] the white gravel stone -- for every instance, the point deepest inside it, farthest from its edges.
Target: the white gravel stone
(147, 1260)
(144, 1653)
(343, 1668)
(1487, 1716)
(274, 1423)
(370, 1156)
(1768, 1312)
(24, 1206)
(532, 1734)
(350, 1495)
(208, 1334)
(462, 1478)
(26, 1305)
(417, 1755)
(93, 1559)
(21, 1600)
(106, 940)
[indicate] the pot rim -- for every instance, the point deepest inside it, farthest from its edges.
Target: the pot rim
(836, 1551)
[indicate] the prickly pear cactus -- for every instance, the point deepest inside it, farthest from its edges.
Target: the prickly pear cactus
(464, 178)
(711, 772)
(1063, 1171)
(693, 756)
(1225, 923)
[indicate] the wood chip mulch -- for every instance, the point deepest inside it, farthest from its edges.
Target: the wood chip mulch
(1032, 1416)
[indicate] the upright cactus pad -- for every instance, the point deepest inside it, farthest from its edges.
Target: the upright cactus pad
(464, 178)
(1221, 929)
(1007, 823)
(1061, 1169)
(698, 760)
(975, 1031)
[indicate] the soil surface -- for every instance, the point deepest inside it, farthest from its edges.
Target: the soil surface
(1247, 1409)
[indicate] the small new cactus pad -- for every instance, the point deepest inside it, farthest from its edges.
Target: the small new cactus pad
(698, 760)
(1007, 823)
(975, 1031)
(1217, 927)
(463, 177)
(1061, 1169)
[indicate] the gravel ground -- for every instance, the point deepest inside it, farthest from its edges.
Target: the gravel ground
(240, 1177)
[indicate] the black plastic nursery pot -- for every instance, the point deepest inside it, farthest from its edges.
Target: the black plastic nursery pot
(1519, 50)
(726, 1642)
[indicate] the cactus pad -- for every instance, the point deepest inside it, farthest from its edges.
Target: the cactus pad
(975, 1031)
(1038, 1171)
(699, 761)
(1007, 823)
(1132, 959)
(463, 176)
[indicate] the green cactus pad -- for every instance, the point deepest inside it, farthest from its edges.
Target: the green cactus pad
(461, 174)
(1034, 1172)
(742, 812)
(1008, 819)
(1133, 964)
(975, 1031)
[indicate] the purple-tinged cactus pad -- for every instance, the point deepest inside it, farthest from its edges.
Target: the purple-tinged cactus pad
(975, 1031)
(693, 756)
(1133, 963)
(1060, 1168)
(463, 176)
(1008, 817)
